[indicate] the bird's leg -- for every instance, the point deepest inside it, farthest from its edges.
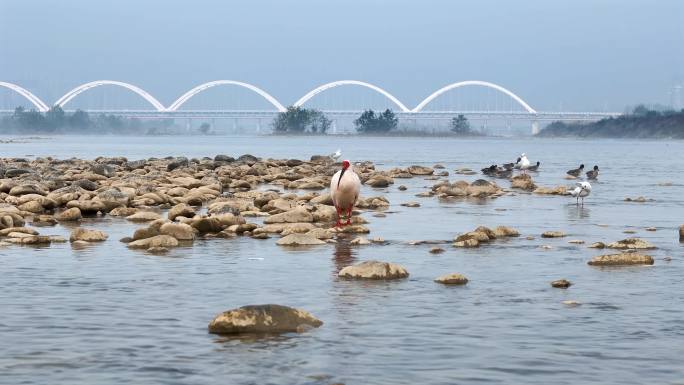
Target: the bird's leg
(339, 212)
(349, 215)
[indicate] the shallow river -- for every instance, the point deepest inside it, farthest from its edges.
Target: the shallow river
(108, 315)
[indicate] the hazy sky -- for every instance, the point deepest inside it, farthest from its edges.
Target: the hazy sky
(581, 54)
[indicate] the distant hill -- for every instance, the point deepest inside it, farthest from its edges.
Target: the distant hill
(641, 123)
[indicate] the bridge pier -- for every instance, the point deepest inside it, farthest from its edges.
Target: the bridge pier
(535, 127)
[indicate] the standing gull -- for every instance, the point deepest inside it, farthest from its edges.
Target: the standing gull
(523, 163)
(336, 155)
(582, 190)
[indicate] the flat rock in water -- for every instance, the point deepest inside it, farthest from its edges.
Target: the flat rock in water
(87, 235)
(143, 216)
(156, 241)
(553, 234)
(631, 243)
(263, 319)
(561, 284)
(374, 270)
(623, 259)
(452, 279)
(299, 239)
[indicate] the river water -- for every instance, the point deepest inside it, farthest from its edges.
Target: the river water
(106, 314)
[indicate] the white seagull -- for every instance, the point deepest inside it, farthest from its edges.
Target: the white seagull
(523, 163)
(345, 186)
(582, 190)
(336, 155)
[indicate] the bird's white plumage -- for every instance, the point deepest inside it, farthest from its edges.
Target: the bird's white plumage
(582, 190)
(345, 193)
(336, 155)
(523, 163)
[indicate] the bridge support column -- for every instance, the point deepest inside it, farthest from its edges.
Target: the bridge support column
(258, 126)
(235, 126)
(188, 125)
(535, 127)
(334, 126)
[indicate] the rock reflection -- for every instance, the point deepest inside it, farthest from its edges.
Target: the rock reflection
(344, 254)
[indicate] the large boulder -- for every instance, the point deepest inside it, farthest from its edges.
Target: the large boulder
(180, 231)
(505, 231)
(420, 170)
(207, 225)
(27, 188)
(622, 259)
(374, 270)
(297, 215)
(263, 319)
(181, 210)
(144, 216)
(631, 243)
(81, 234)
(104, 170)
(72, 214)
(523, 182)
(299, 239)
(156, 241)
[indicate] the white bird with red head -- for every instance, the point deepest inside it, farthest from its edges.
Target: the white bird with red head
(345, 186)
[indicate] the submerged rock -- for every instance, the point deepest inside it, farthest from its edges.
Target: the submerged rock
(299, 239)
(452, 279)
(263, 319)
(622, 259)
(374, 270)
(553, 234)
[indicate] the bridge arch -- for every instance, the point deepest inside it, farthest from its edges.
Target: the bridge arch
(452, 86)
(186, 96)
(39, 104)
(338, 83)
(84, 87)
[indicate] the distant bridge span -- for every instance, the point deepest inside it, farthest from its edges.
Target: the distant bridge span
(174, 111)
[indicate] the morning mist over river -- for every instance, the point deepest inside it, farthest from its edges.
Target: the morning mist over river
(348, 192)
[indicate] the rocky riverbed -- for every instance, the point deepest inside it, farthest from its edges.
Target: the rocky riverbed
(117, 257)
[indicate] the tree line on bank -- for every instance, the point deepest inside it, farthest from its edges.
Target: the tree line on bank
(56, 120)
(298, 120)
(641, 122)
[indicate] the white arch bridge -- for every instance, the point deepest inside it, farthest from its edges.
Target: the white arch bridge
(174, 110)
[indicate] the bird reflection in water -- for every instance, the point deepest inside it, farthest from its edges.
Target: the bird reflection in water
(344, 254)
(573, 211)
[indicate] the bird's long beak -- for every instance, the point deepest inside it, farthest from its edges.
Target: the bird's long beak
(340, 178)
